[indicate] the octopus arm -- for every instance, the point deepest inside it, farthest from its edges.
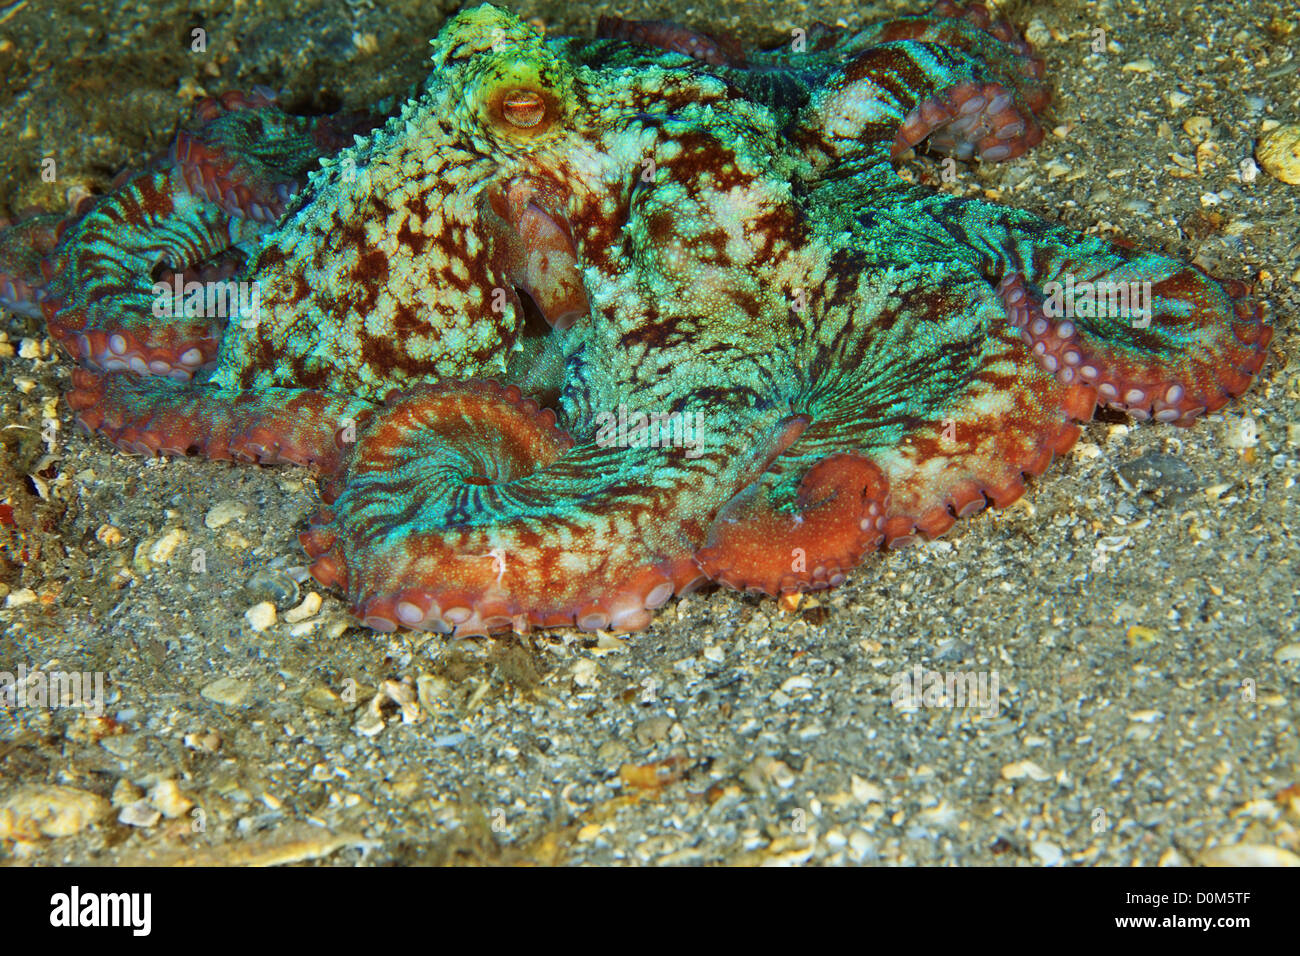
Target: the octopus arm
(965, 88)
(156, 416)
(926, 415)
(1149, 334)
(464, 509)
(140, 279)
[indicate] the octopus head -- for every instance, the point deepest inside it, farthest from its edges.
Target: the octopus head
(512, 102)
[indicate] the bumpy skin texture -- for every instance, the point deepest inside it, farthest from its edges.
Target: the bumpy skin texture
(652, 223)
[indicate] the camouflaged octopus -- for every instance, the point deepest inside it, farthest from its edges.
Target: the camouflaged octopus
(768, 353)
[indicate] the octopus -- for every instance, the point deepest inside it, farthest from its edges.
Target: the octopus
(583, 324)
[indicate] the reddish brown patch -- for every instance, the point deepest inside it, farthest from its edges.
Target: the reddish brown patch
(777, 227)
(301, 291)
(383, 356)
(372, 266)
(661, 227)
(714, 242)
(352, 236)
(415, 241)
(407, 321)
(266, 353)
(271, 258)
(309, 377)
(702, 155)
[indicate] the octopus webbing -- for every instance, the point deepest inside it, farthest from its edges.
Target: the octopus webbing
(586, 323)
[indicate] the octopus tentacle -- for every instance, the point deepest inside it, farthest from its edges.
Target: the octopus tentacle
(1198, 344)
(955, 427)
(970, 29)
(157, 416)
(462, 508)
(184, 219)
(1146, 332)
(1150, 334)
(774, 537)
(102, 305)
(250, 157)
(221, 162)
(673, 37)
(972, 118)
(902, 92)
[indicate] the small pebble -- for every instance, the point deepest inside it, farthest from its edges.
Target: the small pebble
(371, 721)
(864, 791)
(123, 746)
(227, 691)
(139, 814)
(780, 774)
(109, 535)
(207, 742)
(167, 797)
(1049, 854)
(1247, 854)
(653, 730)
(322, 698)
(860, 846)
(274, 586)
(434, 693)
(796, 684)
(224, 512)
(1037, 33)
(32, 812)
(308, 608)
(260, 617)
(20, 597)
(1279, 153)
(1158, 470)
(1139, 636)
(124, 793)
(1243, 433)
(166, 546)
(404, 696)
(1024, 769)
(1146, 716)
(1287, 654)
(586, 673)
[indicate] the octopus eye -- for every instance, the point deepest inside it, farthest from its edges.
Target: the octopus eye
(523, 108)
